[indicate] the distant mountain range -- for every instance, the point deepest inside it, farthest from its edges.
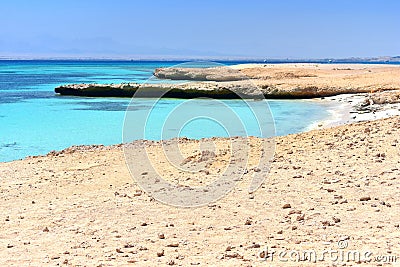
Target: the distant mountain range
(383, 59)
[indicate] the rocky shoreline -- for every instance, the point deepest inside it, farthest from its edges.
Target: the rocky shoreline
(325, 188)
(286, 81)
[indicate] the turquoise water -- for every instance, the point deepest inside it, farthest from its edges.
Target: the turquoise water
(34, 120)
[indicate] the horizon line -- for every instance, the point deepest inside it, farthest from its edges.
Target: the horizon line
(194, 58)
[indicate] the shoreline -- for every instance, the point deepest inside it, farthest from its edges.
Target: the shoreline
(342, 109)
(324, 188)
(81, 206)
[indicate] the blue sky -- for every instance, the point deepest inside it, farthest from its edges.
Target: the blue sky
(183, 28)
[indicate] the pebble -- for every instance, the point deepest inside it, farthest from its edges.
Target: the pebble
(160, 253)
(294, 212)
(300, 217)
(161, 236)
(128, 245)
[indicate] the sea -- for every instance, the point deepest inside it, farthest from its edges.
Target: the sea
(34, 120)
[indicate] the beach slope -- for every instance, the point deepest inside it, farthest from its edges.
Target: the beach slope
(80, 206)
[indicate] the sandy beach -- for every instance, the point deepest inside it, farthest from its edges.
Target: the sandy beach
(334, 188)
(81, 207)
(200, 133)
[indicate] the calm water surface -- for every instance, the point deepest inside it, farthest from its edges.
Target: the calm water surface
(34, 120)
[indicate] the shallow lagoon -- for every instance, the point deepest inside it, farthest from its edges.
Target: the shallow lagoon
(34, 120)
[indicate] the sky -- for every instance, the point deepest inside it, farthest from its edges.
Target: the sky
(208, 28)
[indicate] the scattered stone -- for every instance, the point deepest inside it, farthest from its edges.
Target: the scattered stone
(173, 245)
(233, 255)
(160, 253)
(255, 245)
(286, 206)
(46, 229)
(327, 223)
(366, 198)
(161, 236)
(248, 221)
(294, 212)
(118, 250)
(300, 217)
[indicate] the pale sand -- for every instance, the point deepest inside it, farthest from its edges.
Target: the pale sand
(343, 109)
(331, 66)
(81, 206)
(338, 78)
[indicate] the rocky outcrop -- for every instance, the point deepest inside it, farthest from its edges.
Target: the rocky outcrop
(253, 81)
(390, 97)
(230, 90)
(219, 90)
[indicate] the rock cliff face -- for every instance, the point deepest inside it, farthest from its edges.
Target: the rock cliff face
(229, 90)
(254, 81)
